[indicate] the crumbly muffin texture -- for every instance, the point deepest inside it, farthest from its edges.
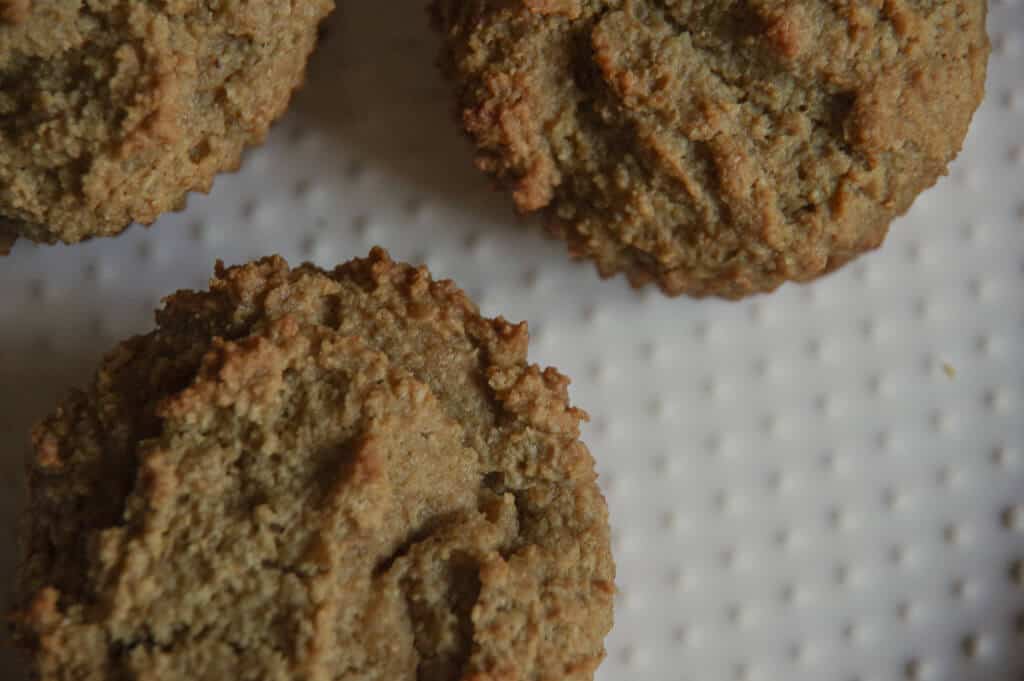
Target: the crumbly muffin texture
(345, 475)
(111, 111)
(716, 146)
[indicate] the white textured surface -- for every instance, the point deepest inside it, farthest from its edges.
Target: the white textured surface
(799, 489)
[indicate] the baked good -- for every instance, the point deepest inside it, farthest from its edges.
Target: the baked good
(716, 147)
(320, 476)
(111, 112)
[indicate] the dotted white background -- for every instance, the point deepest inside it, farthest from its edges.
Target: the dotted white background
(823, 484)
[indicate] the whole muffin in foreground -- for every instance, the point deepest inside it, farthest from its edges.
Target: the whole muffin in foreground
(111, 112)
(317, 475)
(716, 147)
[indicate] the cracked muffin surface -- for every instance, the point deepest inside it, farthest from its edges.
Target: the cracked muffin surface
(716, 147)
(305, 474)
(112, 111)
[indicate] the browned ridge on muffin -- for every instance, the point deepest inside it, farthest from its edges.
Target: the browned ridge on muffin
(111, 112)
(716, 147)
(311, 475)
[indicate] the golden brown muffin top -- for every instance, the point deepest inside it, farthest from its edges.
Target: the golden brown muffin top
(716, 146)
(111, 111)
(317, 475)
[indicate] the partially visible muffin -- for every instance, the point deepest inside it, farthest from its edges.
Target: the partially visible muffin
(716, 147)
(317, 475)
(112, 112)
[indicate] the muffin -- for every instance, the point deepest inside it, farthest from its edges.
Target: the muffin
(710, 147)
(112, 112)
(304, 474)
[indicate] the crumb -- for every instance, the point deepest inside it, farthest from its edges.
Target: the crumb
(15, 11)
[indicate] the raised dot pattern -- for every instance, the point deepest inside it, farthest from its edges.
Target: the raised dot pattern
(824, 483)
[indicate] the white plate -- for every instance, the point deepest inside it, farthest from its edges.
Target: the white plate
(800, 490)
